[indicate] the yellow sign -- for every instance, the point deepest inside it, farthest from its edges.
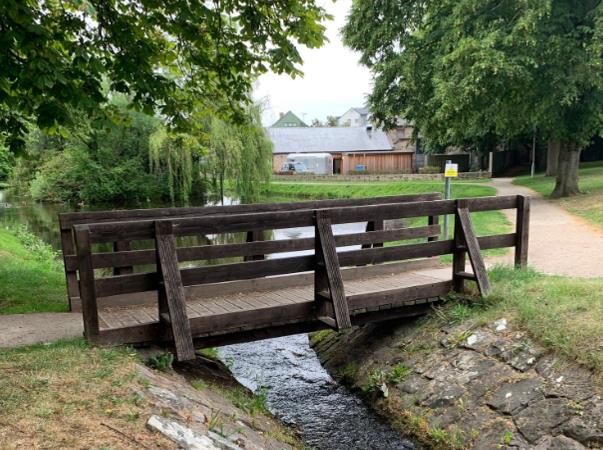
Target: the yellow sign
(451, 170)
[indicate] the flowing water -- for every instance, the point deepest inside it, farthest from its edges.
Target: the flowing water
(302, 394)
(299, 390)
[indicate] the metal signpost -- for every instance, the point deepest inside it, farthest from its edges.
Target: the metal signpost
(451, 170)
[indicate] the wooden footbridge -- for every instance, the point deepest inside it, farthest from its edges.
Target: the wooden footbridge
(138, 279)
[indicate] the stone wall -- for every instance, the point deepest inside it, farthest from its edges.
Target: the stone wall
(484, 388)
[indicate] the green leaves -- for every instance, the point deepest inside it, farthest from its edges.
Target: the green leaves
(159, 53)
(465, 71)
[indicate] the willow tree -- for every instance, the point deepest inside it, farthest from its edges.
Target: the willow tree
(239, 155)
(178, 156)
(465, 69)
(251, 164)
(223, 146)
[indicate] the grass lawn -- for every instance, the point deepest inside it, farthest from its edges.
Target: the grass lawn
(589, 205)
(31, 277)
(562, 313)
(58, 395)
(490, 222)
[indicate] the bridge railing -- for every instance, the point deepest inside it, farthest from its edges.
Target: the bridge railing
(68, 220)
(377, 246)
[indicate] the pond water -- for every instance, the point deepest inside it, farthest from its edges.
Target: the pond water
(299, 390)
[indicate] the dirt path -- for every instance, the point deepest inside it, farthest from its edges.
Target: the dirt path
(28, 329)
(560, 243)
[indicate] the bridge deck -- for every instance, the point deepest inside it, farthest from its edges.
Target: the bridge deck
(280, 305)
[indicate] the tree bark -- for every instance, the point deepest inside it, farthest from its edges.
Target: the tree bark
(552, 158)
(567, 171)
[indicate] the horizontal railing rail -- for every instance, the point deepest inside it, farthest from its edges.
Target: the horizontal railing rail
(67, 221)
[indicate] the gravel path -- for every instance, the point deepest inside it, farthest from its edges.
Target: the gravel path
(36, 328)
(560, 243)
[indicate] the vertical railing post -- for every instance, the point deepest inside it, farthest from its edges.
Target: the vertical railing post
(374, 225)
(458, 253)
(122, 246)
(327, 274)
(433, 220)
(68, 249)
(87, 287)
(254, 236)
(522, 229)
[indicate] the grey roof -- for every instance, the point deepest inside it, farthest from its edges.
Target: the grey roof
(326, 139)
(362, 111)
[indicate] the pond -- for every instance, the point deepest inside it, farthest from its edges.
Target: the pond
(299, 390)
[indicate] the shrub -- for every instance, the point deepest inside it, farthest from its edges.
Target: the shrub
(429, 169)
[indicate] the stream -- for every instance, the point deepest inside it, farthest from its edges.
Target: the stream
(299, 391)
(302, 394)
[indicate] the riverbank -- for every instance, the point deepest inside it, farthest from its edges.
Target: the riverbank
(523, 369)
(70, 395)
(31, 275)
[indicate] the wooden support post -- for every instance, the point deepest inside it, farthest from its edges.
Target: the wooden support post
(374, 225)
(171, 291)
(86, 286)
(328, 273)
(433, 220)
(522, 228)
(255, 236)
(463, 218)
(458, 253)
(68, 249)
(122, 246)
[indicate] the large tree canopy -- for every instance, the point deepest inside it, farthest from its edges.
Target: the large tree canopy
(466, 70)
(57, 56)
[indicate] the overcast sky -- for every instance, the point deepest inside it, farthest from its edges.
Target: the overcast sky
(333, 79)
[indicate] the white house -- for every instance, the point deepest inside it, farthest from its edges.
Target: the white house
(354, 117)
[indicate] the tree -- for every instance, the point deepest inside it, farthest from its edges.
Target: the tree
(462, 70)
(332, 121)
(7, 161)
(178, 155)
(240, 152)
(316, 123)
(166, 55)
(251, 166)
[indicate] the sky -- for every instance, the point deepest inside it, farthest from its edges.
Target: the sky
(333, 80)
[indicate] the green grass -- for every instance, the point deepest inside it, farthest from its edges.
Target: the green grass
(321, 190)
(589, 205)
(50, 390)
(485, 223)
(31, 277)
(564, 314)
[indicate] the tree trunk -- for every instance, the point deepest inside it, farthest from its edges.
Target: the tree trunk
(222, 188)
(552, 157)
(567, 171)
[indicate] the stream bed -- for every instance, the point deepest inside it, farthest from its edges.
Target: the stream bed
(303, 395)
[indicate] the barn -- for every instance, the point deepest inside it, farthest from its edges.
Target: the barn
(352, 148)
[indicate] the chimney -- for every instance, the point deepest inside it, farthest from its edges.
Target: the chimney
(281, 114)
(369, 130)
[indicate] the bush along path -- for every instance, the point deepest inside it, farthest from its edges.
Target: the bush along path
(560, 243)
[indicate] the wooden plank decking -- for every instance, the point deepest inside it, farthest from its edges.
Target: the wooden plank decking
(264, 300)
